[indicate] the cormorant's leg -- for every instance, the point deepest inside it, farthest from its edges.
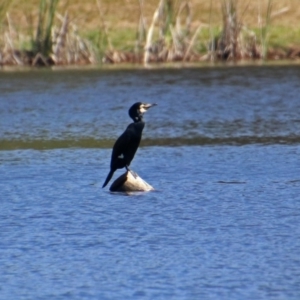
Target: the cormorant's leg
(132, 172)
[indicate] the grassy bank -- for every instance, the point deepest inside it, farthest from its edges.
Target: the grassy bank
(45, 32)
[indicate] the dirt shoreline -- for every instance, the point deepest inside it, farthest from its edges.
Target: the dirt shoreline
(28, 59)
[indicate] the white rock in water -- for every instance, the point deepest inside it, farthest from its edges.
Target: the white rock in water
(128, 182)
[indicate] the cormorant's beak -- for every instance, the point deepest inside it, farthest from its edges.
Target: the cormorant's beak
(146, 106)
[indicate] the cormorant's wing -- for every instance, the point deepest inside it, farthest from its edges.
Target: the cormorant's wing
(126, 145)
(120, 146)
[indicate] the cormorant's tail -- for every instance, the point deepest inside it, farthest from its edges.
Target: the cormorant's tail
(108, 178)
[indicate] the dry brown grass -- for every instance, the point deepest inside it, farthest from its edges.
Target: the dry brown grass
(125, 13)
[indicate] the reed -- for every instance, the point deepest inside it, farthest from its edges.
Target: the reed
(212, 49)
(4, 6)
(52, 43)
(235, 41)
(68, 47)
(43, 41)
(141, 30)
(228, 46)
(169, 36)
(265, 28)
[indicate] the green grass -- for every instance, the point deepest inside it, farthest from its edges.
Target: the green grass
(204, 38)
(125, 39)
(283, 37)
(122, 39)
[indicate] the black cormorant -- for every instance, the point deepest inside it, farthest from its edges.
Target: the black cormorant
(126, 145)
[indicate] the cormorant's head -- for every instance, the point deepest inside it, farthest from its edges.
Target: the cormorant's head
(137, 110)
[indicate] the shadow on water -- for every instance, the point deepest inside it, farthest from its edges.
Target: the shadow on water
(172, 142)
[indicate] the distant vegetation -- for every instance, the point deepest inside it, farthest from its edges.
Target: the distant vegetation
(47, 32)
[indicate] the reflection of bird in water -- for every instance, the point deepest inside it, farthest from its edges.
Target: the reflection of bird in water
(126, 145)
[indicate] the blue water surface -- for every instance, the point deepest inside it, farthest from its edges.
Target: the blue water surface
(223, 223)
(221, 150)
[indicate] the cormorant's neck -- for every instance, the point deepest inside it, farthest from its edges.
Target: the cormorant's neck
(138, 119)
